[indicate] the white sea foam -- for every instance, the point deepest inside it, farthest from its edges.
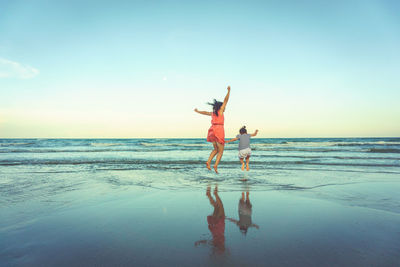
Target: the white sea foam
(15, 144)
(174, 144)
(105, 144)
(296, 144)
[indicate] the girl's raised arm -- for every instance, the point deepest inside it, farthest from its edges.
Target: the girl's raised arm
(226, 99)
(255, 133)
(203, 112)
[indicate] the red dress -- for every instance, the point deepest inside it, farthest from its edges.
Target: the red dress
(217, 229)
(216, 133)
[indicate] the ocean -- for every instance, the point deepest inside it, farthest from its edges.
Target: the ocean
(32, 167)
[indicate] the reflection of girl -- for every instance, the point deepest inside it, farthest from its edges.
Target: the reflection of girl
(245, 211)
(216, 223)
(216, 133)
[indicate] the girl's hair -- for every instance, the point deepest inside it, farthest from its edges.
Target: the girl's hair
(216, 106)
(243, 130)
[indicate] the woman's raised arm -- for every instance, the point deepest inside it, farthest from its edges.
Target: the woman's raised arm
(226, 99)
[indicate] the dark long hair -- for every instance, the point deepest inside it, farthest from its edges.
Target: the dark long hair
(216, 106)
(243, 130)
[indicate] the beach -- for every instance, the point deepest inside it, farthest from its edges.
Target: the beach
(144, 202)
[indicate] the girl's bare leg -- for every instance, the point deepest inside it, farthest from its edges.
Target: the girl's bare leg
(219, 156)
(212, 155)
(247, 163)
(241, 161)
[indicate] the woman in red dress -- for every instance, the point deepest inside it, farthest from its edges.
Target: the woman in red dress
(216, 133)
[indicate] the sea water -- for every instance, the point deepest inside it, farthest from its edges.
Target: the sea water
(180, 163)
(41, 168)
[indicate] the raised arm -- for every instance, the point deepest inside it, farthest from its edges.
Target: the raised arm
(232, 140)
(203, 112)
(226, 99)
(255, 133)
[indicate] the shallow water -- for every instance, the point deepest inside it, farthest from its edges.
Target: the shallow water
(41, 168)
(149, 227)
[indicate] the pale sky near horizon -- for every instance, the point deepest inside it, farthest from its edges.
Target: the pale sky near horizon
(139, 68)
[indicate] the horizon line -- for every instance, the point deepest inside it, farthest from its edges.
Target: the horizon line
(191, 137)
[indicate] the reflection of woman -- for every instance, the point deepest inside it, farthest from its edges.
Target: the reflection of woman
(216, 223)
(245, 211)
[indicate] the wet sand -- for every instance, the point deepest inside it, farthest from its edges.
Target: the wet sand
(141, 226)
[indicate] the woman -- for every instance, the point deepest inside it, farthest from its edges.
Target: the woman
(216, 133)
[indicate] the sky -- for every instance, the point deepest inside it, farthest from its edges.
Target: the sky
(132, 69)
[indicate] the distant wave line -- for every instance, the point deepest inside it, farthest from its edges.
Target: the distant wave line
(181, 162)
(188, 147)
(175, 144)
(326, 157)
(96, 150)
(384, 150)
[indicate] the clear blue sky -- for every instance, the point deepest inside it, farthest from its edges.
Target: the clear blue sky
(139, 68)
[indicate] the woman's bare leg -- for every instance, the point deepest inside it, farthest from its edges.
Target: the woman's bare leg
(219, 210)
(212, 155)
(219, 156)
(208, 194)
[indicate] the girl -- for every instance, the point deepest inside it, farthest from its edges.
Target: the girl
(244, 146)
(216, 133)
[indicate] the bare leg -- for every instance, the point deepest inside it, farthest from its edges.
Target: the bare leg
(247, 163)
(241, 161)
(219, 156)
(248, 200)
(219, 210)
(212, 155)
(208, 194)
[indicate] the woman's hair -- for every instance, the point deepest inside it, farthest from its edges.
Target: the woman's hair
(216, 106)
(243, 130)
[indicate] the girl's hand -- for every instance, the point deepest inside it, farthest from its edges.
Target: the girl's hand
(229, 88)
(196, 110)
